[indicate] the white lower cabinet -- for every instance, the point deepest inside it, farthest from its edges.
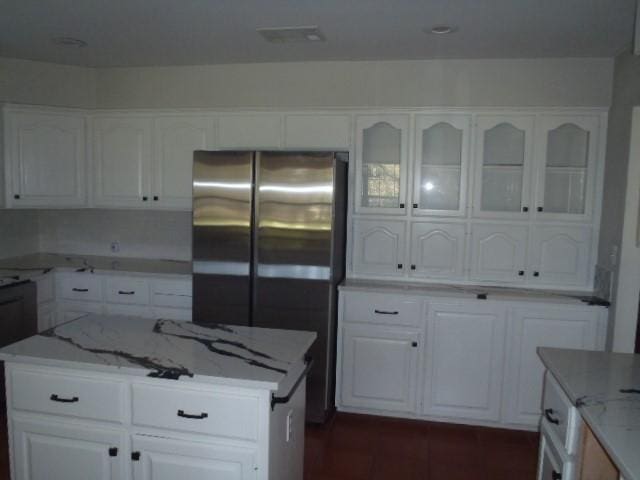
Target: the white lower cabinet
(464, 360)
(45, 450)
(441, 357)
(542, 326)
(156, 458)
(379, 367)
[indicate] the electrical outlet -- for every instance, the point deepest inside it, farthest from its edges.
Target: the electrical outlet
(289, 425)
(115, 247)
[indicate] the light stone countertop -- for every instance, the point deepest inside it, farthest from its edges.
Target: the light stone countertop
(472, 292)
(606, 389)
(18, 269)
(179, 351)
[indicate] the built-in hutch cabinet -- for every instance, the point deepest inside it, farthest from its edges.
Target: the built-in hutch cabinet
(499, 198)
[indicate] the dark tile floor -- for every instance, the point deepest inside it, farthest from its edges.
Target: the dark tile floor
(361, 447)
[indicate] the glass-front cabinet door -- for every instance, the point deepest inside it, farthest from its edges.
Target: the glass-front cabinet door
(566, 159)
(381, 163)
(441, 164)
(503, 156)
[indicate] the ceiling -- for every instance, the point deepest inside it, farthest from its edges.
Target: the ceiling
(189, 32)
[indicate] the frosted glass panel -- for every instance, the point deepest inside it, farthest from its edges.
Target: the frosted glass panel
(381, 155)
(568, 146)
(441, 167)
(503, 169)
(566, 169)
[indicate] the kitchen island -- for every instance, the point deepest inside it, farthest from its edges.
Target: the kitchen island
(115, 397)
(592, 415)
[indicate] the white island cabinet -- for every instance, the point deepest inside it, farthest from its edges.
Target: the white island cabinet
(115, 397)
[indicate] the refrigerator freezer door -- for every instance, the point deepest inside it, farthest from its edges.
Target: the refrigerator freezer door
(292, 257)
(222, 217)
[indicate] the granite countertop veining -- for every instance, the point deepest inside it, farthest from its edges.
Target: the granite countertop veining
(179, 351)
(18, 269)
(606, 389)
(474, 291)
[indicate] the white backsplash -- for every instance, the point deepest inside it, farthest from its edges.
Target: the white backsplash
(139, 233)
(19, 232)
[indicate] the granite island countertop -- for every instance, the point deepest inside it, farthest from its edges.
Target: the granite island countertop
(605, 387)
(26, 267)
(180, 351)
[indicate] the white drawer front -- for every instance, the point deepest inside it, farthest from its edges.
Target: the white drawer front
(224, 415)
(127, 290)
(561, 417)
(67, 395)
(171, 293)
(382, 309)
(80, 286)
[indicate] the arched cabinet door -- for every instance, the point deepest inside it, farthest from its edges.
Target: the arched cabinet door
(46, 159)
(560, 255)
(381, 163)
(378, 247)
(566, 154)
(441, 165)
(437, 250)
(503, 157)
(498, 252)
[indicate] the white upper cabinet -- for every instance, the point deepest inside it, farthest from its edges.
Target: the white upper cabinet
(498, 252)
(503, 166)
(122, 152)
(378, 247)
(381, 163)
(559, 255)
(317, 131)
(437, 250)
(566, 151)
(45, 159)
(464, 360)
(441, 164)
(244, 131)
(176, 138)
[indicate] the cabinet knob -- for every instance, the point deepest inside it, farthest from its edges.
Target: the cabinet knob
(556, 476)
(413, 267)
(415, 205)
(135, 456)
(540, 209)
(16, 196)
(521, 273)
(144, 199)
(155, 198)
(536, 274)
(402, 205)
(113, 452)
(414, 344)
(525, 209)
(399, 266)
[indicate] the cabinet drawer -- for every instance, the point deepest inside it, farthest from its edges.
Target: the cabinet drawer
(382, 309)
(80, 286)
(561, 418)
(220, 414)
(76, 396)
(171, 293)
(554, 463)
(126, 290)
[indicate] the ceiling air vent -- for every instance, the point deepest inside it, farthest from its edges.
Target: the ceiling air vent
(292, 34)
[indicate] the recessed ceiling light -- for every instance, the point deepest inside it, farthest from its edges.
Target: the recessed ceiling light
(69, 42)
(306, 34)
(441, 29)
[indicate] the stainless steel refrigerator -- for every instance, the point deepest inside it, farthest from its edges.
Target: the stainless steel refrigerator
(269, 248)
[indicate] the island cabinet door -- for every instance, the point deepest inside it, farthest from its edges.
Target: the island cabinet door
(464, 360)
(46, 450)
(379, 368)
(157, 458)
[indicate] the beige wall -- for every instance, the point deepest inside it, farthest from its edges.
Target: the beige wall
(40, 83)
(19, 232)
(542, 82)
(626, 94)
